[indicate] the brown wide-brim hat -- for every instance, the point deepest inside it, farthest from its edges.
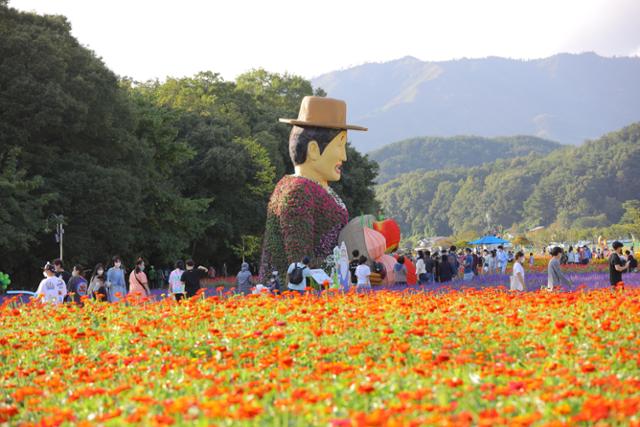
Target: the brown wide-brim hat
(323, 113)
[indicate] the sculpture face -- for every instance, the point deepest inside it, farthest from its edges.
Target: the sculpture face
(327, 166)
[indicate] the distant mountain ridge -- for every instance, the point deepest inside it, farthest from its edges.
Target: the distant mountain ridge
(574, 186)
(435, 153)
(566, 97)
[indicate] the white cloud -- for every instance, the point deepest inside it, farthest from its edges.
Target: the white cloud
(155, 38)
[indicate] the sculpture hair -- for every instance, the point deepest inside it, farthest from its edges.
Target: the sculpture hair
(301, 136)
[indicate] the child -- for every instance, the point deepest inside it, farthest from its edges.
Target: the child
(531, 261)
(362, 274)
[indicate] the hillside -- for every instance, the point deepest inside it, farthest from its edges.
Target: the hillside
(565, 97)
(433, 153)
(582, 186)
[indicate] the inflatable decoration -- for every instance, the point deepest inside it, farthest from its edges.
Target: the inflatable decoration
(304, 215)
(391, 232)
(375, 243)
(388, 261)
(362, 234)
(353, 237)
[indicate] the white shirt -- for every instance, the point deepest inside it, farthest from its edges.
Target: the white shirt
(176, 286)
(515, 283)
(52, 289)
(502, 257)
(420, 267)
(362, 273)
(518, 268)
(305, 273)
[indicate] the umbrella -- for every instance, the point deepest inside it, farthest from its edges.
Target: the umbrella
(489, 240)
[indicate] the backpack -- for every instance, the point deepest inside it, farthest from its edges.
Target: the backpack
(296, 276)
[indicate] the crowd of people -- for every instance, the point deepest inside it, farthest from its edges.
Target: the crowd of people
(112, 284)
(438, 266)
(446, 265)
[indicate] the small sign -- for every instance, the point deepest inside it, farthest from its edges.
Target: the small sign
(319, 276)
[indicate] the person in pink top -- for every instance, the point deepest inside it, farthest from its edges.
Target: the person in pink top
(138, 283)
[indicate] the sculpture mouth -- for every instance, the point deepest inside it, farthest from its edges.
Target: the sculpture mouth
(338, 168)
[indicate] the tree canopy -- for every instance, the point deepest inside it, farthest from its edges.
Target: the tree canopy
(179, 168)
(436, 153)
(584, 186)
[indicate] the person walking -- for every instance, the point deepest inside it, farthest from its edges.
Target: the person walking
(116, 285)
(274, 283)
(138, 282)
(152, 275)
(77, 286)
(400, 271)
(531, 260)
(51, 289)
(421, 270)
(616, 265)
(453, 260)
(555, 277)
(517, 276)
(429, 266)
(363, 274)
(477, 261)
(297, 275)
(243, 279)
(60, 272)
(176, 287)
(353, 264)
(502, 260)
(436, 266)
(633, 262)
(468, 265)
(493, 262)
(98, 284)
(485, 261)
(445, 271)
(587, 255)
(192, 276)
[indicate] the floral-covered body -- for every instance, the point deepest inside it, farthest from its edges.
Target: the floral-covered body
(303, 219)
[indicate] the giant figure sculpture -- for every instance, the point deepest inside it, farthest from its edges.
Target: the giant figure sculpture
(305, 215)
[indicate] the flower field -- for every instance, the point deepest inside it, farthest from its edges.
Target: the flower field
(473, 357)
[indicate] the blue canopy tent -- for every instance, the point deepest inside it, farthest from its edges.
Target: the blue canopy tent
(489, 240)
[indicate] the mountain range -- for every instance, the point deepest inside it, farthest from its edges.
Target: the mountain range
(434, 153)
(567, 97)
(572, 186)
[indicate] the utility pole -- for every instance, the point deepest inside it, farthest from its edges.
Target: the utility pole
(58, 219)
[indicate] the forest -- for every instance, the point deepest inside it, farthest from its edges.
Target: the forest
(432, 153)
(586, 187)
(161, 169)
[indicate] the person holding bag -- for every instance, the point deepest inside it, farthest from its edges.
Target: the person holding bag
(98, 284)
(138, 282)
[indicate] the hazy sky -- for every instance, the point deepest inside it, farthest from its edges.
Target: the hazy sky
(154, 38)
